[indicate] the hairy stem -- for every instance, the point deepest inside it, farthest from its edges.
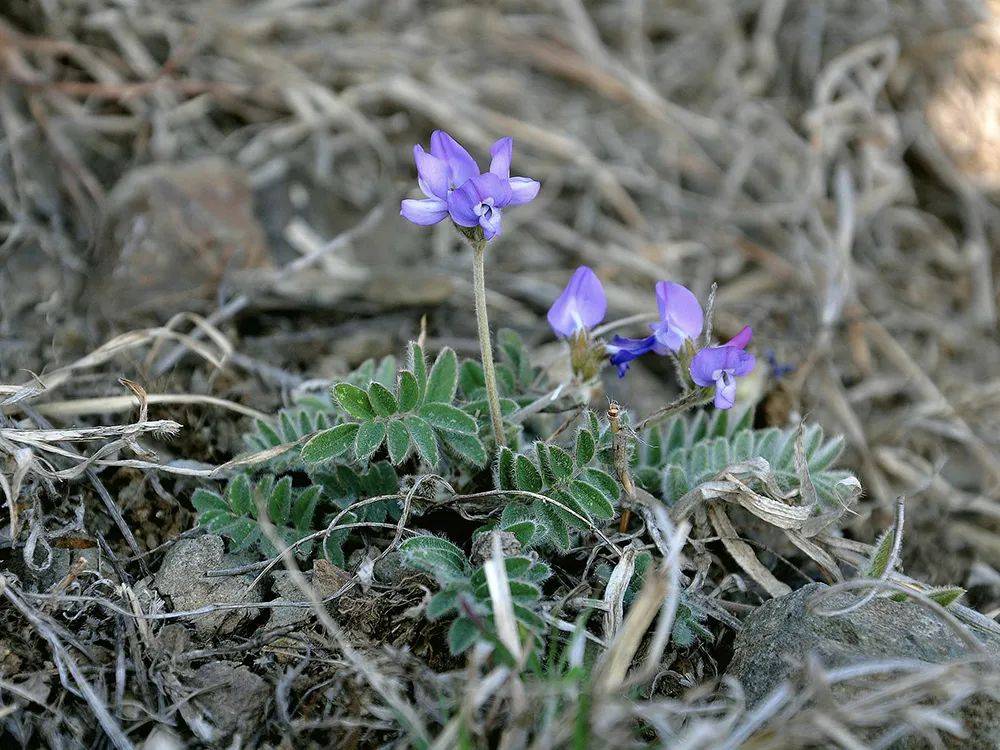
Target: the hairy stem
(485, 345)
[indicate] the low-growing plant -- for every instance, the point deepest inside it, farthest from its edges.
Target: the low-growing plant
(496, 455)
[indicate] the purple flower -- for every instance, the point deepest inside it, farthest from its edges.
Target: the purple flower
(450, 179)
(581, 306)
(719, 366)
(623, 350)
(680, 317)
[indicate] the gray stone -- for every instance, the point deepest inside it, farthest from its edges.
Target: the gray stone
(325, 580)
(779, 636)
(231, 699)
(182, 578)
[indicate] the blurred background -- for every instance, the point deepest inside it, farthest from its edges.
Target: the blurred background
(834, 165)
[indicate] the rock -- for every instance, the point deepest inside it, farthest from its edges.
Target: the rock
(325, 580)
(482, 546)
(170, 234)
(182, 578)
(231, 699)
(779, 636)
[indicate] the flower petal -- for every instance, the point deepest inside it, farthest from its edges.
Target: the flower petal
(725, 394)
(581, 306)
(679, 308)
(709, 361)
(523, 190)
(501, 152)
(461, 165)
(623, 350)
(423, 212)
(462, 205)
(432, 173)
(744, 363)
(490, 222)
(741, 339)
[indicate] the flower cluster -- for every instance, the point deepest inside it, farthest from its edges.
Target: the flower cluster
(583, 304)
(454, 186)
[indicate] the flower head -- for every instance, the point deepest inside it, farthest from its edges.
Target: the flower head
(681, 317)
(623, 350)
(581, 306)
(719, 366)
(450, 179)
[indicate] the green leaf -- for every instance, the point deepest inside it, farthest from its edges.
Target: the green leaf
(603, 481)
(443, 379)
(434, 555)
(446, 417)
(239, 496)
(369, 439)
(585, 447)
(243, 533)
(591, 499)
(523, 531)
(468, 447)
(562, 462)
(461, 635)
(354, 401)
(676, 437)
(382, 400)
(279, 504)
(699, 463)
(945, 595)
(742, 447)
(505, 469)
(417, 364)
(330, 443)
(544, 462)
(398, 440)
(881, 556)
(526, 476)
(719, 424)
(304, 507)
(205, 501)
(675, 484)
(471, 378)
(826, 455)
(386, 373)
(441, 604)
(556, 525)
(409, 391)
(422, 435)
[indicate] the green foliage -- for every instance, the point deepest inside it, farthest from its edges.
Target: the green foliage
(566, 489)
(687, 451)
(516, 376)
(307, 417)
(235, 514)
(410, 413)
(464, 594)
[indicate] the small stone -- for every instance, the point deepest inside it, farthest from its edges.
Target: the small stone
(182, 578)
(482, 546)
(779, 636)
(325, 579)
(231, 699)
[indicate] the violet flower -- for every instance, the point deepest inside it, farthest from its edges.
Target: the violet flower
(681, 318)
(451, 180)
(719, 366)
(581, 306)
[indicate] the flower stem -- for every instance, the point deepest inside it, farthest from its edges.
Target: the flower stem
(485, 345)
